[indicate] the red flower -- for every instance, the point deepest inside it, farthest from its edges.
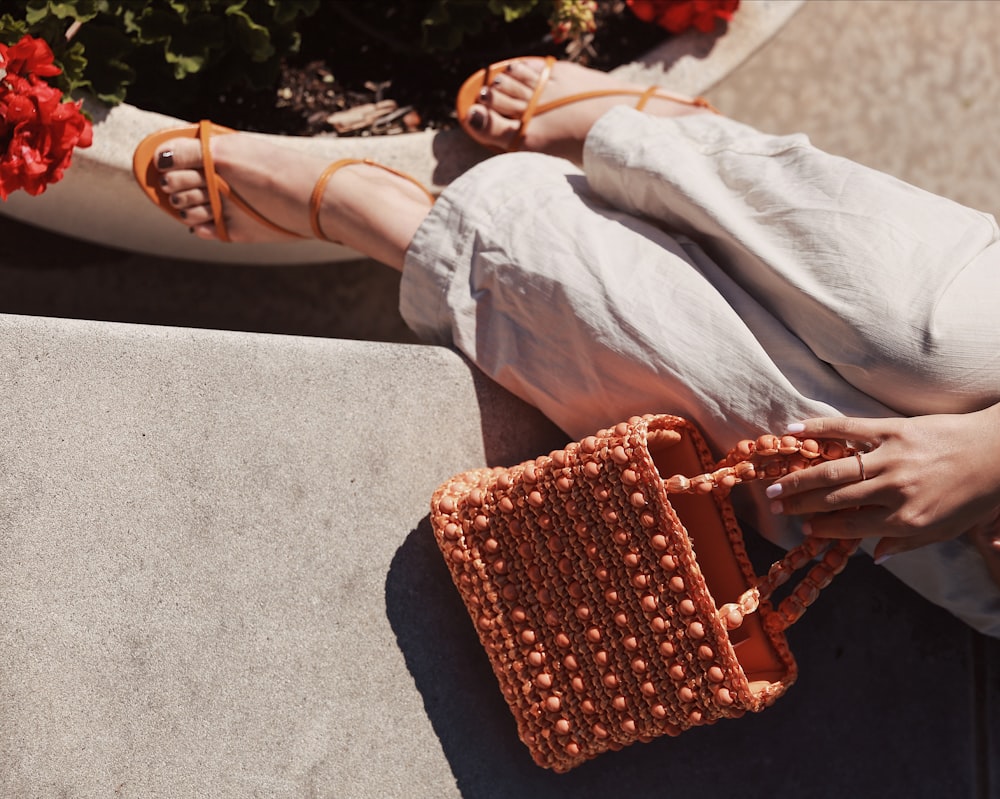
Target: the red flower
(29, 56)
(37, 130)
(679, 15)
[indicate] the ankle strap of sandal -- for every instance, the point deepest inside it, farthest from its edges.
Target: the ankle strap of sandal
(316, 200)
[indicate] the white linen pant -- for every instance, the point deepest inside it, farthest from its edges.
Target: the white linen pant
(699, 267)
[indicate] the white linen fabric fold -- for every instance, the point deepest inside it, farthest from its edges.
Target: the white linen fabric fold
(699, 267)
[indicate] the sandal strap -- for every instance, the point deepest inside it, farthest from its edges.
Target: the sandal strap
(212, 180)
(316, 200)
(231, 194)
(644, 97)
(218, 187)
(533, 107)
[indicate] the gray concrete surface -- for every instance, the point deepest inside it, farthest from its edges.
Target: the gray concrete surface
(215, 572)
(216, 577)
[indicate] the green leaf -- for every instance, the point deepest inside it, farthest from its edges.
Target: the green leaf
(11, 30)
(253, 39)
(168, 43)
(288, 11)
(448, 22)
(512, 10)
(107, 76)
(37, 10)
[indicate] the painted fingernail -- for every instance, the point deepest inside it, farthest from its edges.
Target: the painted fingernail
(773, 490)
(477, 119)
(165, 160)
(795, 427)
(807, 528)
(882, 559)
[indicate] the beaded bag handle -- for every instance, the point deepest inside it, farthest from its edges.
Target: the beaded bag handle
(771, 457)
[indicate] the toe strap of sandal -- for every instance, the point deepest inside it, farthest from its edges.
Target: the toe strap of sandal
(529, 112)
(212, 180)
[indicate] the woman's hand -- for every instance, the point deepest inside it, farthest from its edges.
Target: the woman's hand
(925, 479)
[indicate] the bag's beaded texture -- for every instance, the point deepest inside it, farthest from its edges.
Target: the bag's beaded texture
(588, 598)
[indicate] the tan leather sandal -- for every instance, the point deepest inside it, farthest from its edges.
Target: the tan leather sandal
(148, 177)
(470, 94)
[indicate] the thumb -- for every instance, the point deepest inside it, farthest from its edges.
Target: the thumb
(889, 546)
(885, 549)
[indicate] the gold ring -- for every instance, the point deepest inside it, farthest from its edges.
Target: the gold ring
(861, 463)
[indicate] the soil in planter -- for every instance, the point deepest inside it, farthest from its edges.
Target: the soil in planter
(353, 78)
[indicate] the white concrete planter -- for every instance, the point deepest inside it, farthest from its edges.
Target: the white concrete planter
(98, 200)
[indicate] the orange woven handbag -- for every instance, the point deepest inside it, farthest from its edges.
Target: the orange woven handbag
(618, 605)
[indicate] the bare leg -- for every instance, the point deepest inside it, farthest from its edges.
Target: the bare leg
(366, 208)
(496, 119)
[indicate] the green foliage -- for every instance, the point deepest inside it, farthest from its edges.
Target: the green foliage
(165, 53)
(163, 47)
(448, 22)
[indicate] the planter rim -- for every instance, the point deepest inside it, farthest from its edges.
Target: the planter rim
(98, 200)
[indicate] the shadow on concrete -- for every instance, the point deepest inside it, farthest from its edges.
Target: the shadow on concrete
(44, 274)
(454, 154)
(694, 44)
(885, 678)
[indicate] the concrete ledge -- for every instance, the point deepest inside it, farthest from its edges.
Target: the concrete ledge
(217, 579)
(204, 536)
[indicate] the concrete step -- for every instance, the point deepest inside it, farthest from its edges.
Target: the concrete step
(217, 578)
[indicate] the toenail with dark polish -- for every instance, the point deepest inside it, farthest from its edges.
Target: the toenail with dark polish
(163, 182)
(175, 200)
(484, 93)
(496, 81)
(182, 214)
(165, 160)
(477, 119)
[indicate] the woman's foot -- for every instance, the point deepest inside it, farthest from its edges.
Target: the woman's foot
(363, 206)
(495, 120)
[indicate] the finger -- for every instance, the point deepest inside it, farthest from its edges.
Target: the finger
(851, 428)
(865, 522)
(829, 501)
(890, 546)
(816, 480)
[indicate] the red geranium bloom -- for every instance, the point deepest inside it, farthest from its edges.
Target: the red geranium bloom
(37, 130)
(29, 56)
(677, 16)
